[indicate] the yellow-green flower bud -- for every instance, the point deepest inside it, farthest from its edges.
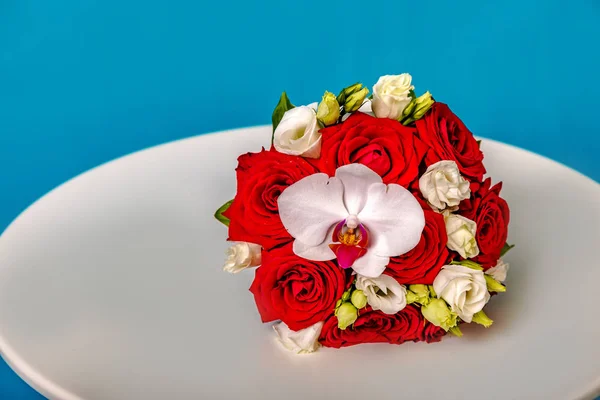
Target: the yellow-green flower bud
(456, 331)
(408, 110)
(359, 299)
(482, 319)
(421, 292)
(328, 111)
(355, 100)
(346, 92)
(346, 315)
(423, 104)
(468, 264)
(411, 297)
(346, 295)
(338, 304)
(417, 108)
(352, 89)
(438, 313)
(493, 285)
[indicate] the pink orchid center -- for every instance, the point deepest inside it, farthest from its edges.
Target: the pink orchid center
(350, 241)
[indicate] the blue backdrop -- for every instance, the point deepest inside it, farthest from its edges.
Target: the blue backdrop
(83, 82)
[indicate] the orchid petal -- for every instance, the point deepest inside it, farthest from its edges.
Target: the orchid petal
(311, 206)
(370, 265)
(357, 179)
(321, 252)
(394, 218)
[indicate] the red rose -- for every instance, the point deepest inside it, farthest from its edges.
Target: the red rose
(449, 139)
(297, 291)
(374, 327)
(386, 146)
(431, 333)
(261, 177)
(422, 264)
(492, 216)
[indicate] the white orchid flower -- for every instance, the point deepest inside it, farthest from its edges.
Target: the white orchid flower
(353, 217)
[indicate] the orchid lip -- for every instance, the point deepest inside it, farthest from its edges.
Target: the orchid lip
(350, 243)
(346, 255)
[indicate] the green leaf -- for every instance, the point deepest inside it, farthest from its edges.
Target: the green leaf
(412, 94)
(506, 249)
(493, 285)
(479, 143)
(455, 331)
(219, 214)
(482, 319)
(280, 109)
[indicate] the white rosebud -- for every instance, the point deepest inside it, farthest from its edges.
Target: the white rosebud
(298, 133)
(391, 95)
(301, 342)
(242, 255)
(443, 186)
(383, 293)
(463, 288)
(461, 235)
(499, 271)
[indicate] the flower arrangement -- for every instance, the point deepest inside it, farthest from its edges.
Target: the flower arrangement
(370, 219)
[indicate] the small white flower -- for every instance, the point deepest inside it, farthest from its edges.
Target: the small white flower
(298, 133)
(391, 95)
(461, 235)
(499, 271)
(352, 216)
(463, 288)
(443, 186)
(383, 293)
(301, 342)
(242, 255)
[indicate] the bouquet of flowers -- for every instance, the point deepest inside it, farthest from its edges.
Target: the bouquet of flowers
(370, 220)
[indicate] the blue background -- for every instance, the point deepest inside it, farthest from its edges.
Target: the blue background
(83, 82)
